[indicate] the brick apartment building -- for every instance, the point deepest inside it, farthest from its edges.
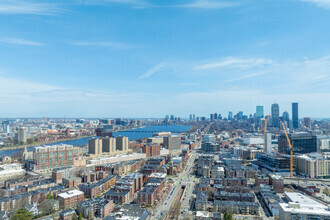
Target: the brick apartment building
(149, 194)
(151, 150)
(94, 189)
(70, 198)
(47, 158)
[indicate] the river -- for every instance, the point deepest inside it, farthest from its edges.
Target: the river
(131, 136)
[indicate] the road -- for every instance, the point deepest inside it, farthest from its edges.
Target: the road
(184, 178)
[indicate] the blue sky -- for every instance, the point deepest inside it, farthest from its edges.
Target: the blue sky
(143, 58)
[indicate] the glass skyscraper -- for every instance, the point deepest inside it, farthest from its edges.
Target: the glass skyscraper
(275, 115)
(295, 118)
(260, 112)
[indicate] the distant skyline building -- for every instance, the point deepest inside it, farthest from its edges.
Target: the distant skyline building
(240, 115)
(295, 116)
(230, 115)
(259, 112)
(22, 135)
(194, 117)
(190, 117)
(308, 123)
(275, 109)
(286, 117)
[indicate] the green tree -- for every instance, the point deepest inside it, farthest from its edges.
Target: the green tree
(228, 216)
(49, 196)
(22, 214)
(75, 217)
(80, 216)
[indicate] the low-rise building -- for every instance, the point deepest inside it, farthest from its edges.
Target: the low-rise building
(97, 207)
(70, 198)
(92, 190)
(9, 171)
(302, 207)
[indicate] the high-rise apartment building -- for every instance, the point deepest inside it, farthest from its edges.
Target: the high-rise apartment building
(212, 117)
(95, 146)
(308, 123)
(262, 124)
(259, 112)
(190, 117)
(268, 142)
(194, 117)
(295, 118)
(109, 145)
(172, 142)
(22, 135)
(122, 143)
(49, 157)
(275, 115)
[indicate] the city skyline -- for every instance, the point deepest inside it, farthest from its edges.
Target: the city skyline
(130, 59)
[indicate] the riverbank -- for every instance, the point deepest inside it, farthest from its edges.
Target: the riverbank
(44, 143)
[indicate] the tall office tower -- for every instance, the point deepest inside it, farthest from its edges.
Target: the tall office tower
(172, 118)
(307, 122)
(275, 115)
(95, 146)
(295, 118)
(262, 124)
(240, 115)
(268, 142)
(286, 117)
(194, 117)
(190, 117)
(230, 115)
(260, 112)
(109, 145)
(212, 117)
(215, 116)
(122, 143)
(22, 135)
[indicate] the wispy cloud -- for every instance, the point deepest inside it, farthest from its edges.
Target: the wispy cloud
(209, 4)
(233, 62)
(152, 71)
(27, 7)
(20, 41)
(252, 75)
(115, 45)
(320, 3)
(130, 3)
(188, 84)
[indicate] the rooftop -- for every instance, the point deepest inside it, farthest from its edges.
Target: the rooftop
(70, 194)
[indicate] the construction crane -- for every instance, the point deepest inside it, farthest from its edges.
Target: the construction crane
(265, 131)
(291, 148)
